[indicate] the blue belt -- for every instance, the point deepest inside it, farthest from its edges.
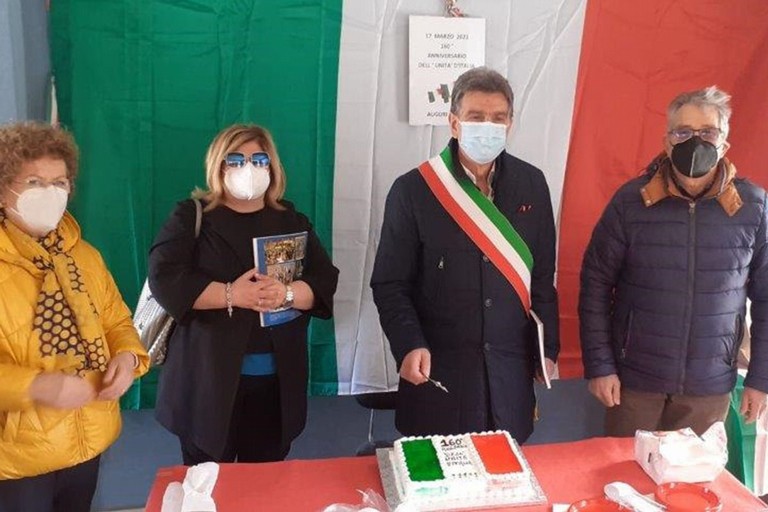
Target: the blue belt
(259, 364)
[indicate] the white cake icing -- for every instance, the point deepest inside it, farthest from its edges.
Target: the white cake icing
(462, 479)
(456, 455)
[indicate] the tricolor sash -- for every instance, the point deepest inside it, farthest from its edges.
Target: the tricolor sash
(483, 223)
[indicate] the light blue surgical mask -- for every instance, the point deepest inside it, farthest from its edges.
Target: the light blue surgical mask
(482, 142)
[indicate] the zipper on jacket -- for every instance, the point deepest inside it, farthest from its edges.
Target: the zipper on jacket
(441, 263)
(80, 434)
(627, 337)
(734, 352)
(690, 292)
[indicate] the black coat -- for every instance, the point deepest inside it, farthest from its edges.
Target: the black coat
(434, 289)
(200, 377)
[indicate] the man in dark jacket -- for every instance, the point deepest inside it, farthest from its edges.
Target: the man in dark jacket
(467, 247)
(665, 280)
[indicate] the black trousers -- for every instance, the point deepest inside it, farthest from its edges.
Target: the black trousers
(255, 430)
(65, 490)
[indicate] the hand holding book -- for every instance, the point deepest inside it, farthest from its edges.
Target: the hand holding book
(546, 369)
(272, 295)
(279, 259)
(256, 292)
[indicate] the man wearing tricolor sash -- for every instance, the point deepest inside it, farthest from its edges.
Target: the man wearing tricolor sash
(467, 250)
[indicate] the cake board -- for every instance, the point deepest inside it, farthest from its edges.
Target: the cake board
(393, 495)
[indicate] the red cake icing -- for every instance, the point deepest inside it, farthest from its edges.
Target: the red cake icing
(496, 454)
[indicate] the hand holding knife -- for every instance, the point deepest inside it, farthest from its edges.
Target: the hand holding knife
(435, 382)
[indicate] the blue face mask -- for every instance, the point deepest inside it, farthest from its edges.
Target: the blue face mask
(482, 142)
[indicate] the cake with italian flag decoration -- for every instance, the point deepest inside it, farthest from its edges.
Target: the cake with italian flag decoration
(461, 471)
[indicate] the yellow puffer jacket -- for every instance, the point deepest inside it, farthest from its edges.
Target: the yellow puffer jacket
(35, 439)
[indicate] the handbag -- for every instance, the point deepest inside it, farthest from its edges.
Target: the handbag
(153, 323)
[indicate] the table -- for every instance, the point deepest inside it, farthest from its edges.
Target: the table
(566, 471)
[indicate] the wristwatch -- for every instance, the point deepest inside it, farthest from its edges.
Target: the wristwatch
(288, 302)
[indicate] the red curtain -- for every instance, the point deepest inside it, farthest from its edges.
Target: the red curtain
(636, 57)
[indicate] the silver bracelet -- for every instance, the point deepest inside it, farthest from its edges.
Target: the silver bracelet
(228, 298)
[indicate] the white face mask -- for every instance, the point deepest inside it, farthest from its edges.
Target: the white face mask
(41, 208)
(247, 182)
(483, 142)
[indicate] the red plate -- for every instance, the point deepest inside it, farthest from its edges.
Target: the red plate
(596, 505)
(684, 497)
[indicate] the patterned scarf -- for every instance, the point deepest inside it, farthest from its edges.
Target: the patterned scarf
(66, 323)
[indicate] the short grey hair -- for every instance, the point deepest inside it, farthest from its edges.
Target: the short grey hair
(708, 97)
(481, 79)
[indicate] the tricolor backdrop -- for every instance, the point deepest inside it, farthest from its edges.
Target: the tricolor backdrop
(146, 84)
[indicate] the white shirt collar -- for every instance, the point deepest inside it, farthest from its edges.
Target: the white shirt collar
(490, 178)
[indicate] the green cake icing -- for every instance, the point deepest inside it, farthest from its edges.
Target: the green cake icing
(421, 459)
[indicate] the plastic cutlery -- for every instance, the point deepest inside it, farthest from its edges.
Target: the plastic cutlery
(626, 495)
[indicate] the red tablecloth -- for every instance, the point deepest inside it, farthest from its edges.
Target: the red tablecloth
(567, 472)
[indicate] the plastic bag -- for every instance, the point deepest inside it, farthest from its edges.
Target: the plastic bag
(681, 455)
(372, 502)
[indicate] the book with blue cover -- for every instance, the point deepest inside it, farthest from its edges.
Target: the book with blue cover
(281, 257)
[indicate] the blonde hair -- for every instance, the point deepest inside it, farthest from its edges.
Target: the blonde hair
(25, 142)
(227, 141)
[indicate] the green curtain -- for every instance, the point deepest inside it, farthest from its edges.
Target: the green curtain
(145, 85)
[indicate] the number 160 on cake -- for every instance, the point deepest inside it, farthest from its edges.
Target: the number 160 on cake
(482, 470)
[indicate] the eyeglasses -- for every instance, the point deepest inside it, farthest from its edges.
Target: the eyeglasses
(259, 159)
(711, 135)
(35, 182)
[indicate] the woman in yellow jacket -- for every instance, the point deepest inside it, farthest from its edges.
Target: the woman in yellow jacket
(68, 349)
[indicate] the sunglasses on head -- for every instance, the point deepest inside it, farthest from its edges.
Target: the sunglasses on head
(259, 159)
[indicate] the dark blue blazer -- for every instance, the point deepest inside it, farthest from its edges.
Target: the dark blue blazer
(434, 289)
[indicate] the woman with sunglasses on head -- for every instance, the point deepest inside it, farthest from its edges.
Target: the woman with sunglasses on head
(68, 348)
(230, 389)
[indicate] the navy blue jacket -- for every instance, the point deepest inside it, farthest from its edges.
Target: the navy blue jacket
(435, 289)
(664, 285)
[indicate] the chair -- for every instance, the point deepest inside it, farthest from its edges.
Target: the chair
(383, 400)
